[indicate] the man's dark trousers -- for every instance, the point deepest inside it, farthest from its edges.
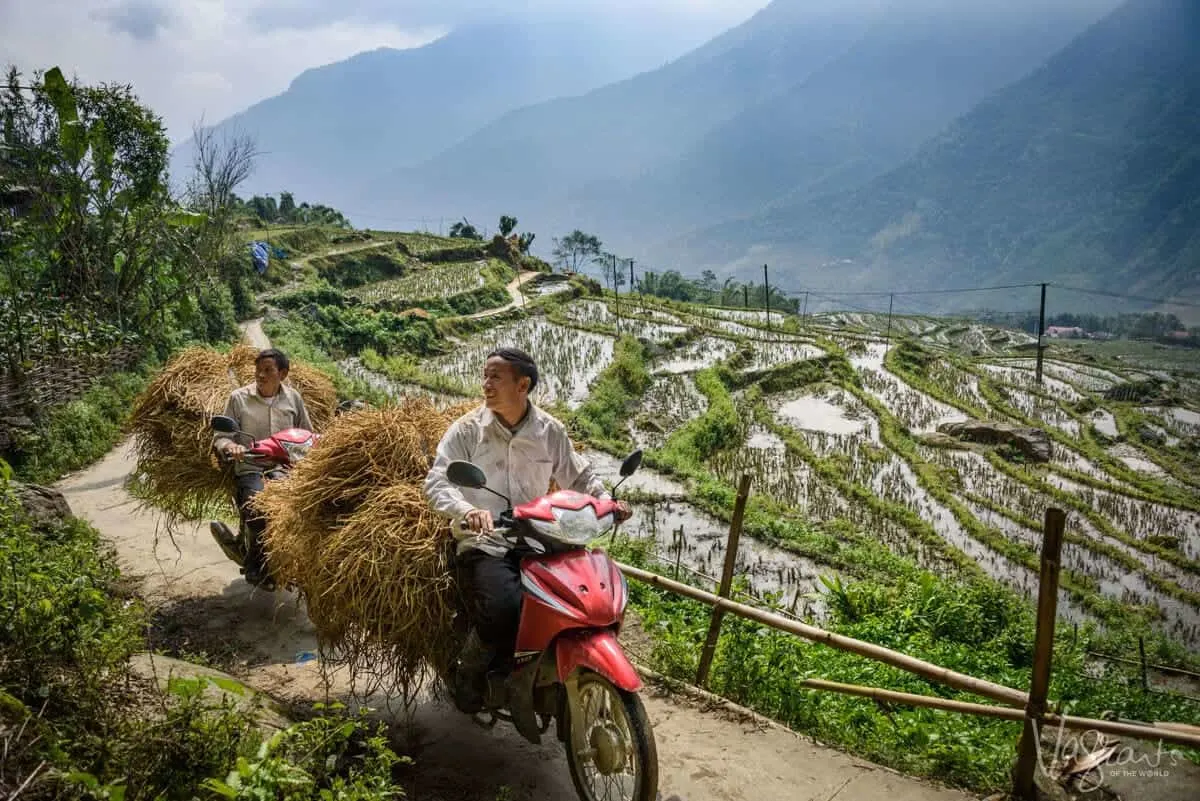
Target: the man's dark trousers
(493, 590)
(249, 485)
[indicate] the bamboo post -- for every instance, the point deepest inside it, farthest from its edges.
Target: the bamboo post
(1142, 656)
(1043, 653)
(678, 550)
(731, 549)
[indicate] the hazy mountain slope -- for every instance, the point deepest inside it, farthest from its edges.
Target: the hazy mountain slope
(1086, 171)
(526, 160)
(861, 114)
(340, 124)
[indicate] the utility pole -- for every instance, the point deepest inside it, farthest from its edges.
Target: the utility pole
(616, 291)
(888, 340)
(804, 313)
(745, 296)
(1041, 343)
(767, 296)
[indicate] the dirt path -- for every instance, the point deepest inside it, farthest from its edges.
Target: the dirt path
(514, 292)
(252, 332)
(200, 604)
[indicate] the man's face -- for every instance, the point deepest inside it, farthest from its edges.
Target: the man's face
(503, 387)
(268, 377)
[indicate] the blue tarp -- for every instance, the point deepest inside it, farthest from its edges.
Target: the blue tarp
(260, 256)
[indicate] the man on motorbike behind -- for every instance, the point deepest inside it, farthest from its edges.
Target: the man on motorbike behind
(520, 447)
(261, 409)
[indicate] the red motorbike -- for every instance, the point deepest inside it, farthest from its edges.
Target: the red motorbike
(275, 455)
(569, 667)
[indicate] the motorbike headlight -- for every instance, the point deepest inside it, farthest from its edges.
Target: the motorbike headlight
(296, 450)
(578, 526)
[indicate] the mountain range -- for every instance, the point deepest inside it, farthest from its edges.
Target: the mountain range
(339, 124)
(1087, 172)
(905, 142)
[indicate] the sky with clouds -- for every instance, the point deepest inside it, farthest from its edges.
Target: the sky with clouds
(185, 58)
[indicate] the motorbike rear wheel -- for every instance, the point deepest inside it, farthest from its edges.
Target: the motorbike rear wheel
(617, 759)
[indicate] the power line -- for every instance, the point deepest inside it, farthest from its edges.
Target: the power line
(923, 291)
(1120, 295)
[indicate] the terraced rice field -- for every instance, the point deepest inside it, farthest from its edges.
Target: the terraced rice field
(972, 508)
(568, 359)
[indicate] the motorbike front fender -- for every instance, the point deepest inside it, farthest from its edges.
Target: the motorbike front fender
(598, 651)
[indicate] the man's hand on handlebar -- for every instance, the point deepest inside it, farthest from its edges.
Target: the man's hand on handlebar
(479, 521)
(624, 511)
(235, 452)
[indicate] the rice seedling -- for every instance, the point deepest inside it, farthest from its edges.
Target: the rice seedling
(768, 354)
(439, 281)
(1141, 519)
(696, 355)
(1179, 421)
(353, 367)
(685, 535)
(1025, 380)
(568, 360)
(1095, 554)
(671, 401)
(916, 410)
(1089, 379)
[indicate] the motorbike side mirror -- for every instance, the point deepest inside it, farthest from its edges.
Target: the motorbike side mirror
(225, 425)
(465, 474)
(632, 462)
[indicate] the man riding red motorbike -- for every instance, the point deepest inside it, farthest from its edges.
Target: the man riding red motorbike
(261, 409)
(521, 448)
(529, 581)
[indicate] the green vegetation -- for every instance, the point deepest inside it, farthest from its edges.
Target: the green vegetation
(613, 396)
(79, 726)
(962, 619)
(73, 435)
(970, 626)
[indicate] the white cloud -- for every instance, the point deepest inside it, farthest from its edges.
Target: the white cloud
(202, 57)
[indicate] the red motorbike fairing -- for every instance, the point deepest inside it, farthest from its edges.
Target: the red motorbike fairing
(599, 652)
(567, 591)
(272, 448)
(298, 436)
(543, 508)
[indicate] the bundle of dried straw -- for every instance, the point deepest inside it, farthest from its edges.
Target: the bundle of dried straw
(176, 469)
(351, 529)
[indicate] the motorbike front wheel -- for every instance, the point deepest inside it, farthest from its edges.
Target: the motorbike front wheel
(614, 758)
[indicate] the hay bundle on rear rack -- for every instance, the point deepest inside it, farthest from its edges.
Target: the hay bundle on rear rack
(176, 469)
(351, 529)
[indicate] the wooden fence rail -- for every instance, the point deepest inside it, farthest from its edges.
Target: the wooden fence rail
(1028, 707)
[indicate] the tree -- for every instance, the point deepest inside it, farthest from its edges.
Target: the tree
(219, 166)
(287, 207)
(464, 230)
(264, 208)
(610, 268)
(575, 250)
(507, 225)
(105, 253)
